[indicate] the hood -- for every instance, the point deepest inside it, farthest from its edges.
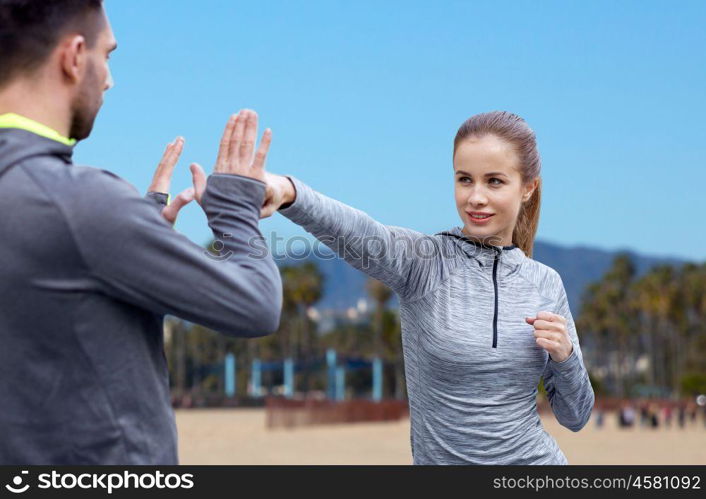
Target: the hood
(18, 145)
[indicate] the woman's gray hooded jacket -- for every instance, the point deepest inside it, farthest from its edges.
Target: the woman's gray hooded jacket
(471, 361)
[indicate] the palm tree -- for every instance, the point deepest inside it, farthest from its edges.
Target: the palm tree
(693, 286)
(608, 313)
(662, 305)
(380, 294)
(303, 287)
(392, 339)
(621, 320)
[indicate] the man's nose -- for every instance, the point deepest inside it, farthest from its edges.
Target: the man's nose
(109, 83)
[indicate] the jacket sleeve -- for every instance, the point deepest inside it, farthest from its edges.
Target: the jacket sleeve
(567, 384)
(403, 259)
(158, 199)
(136, 256)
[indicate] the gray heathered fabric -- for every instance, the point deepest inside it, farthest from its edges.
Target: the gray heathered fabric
(88, 269)
(470, 403)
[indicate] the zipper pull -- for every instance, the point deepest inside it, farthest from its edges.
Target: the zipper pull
(495, 289)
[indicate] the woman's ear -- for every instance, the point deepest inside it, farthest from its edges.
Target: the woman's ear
(73, 58)
(529, 189)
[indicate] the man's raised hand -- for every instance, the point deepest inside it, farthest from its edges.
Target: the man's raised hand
(235, 153)
(163, 178)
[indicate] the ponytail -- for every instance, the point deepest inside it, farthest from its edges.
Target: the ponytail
(527, 222)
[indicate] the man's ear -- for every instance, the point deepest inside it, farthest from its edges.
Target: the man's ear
(73, 58)
(529, 190)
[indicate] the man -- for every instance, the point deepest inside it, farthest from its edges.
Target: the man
(88, 268)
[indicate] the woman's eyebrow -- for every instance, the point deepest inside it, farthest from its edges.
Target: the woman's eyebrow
(491, 174)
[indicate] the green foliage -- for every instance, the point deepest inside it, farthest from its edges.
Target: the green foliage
(694, 384)
(659, 317)
(595, 384)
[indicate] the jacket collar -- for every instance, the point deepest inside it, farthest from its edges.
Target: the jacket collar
(12, 120)
(511, 255)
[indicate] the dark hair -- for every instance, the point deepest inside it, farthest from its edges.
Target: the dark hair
(30, 30)
(513, 129)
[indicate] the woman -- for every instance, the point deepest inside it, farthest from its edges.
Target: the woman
(481, 321)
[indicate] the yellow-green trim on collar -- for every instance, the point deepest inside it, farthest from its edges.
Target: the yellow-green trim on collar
(12, 120)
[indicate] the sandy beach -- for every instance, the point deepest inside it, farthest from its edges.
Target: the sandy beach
(239, 436)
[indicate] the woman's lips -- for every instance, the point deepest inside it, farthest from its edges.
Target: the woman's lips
(479, 221)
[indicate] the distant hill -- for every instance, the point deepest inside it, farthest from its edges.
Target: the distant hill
(578, 266)
(581, 265)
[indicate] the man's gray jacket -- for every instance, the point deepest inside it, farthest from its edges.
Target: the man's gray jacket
(88, 270)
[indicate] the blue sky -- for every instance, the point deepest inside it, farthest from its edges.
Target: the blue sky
(364, 99)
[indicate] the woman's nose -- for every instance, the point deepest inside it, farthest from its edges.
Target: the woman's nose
(477, 197)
